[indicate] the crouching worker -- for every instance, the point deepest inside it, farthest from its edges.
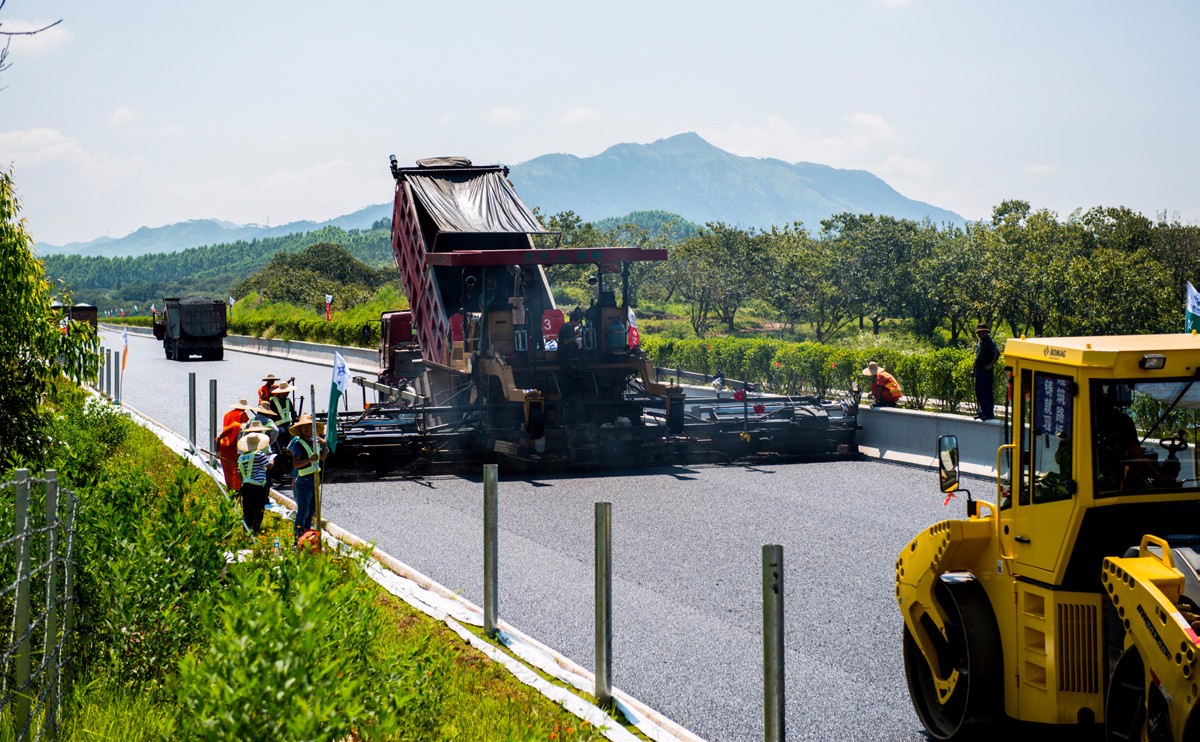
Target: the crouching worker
(885, 390)
(306, 462)
(254, 459)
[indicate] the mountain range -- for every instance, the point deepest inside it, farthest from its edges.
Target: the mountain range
(683, 175)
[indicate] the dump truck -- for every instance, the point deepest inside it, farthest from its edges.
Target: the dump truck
(191, 326)
(485, 366)
(1070, 598)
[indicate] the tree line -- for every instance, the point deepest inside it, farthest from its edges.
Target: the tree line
(1107, 270)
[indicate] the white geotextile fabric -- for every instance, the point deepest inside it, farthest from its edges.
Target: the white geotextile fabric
(592, 714)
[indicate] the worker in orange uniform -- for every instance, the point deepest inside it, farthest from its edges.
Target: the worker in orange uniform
(227, 450)
(264, 391)
(885, 390)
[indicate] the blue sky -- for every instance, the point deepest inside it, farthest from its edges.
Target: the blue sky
(145, 113)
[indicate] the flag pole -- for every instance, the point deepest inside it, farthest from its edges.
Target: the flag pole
(312, 390)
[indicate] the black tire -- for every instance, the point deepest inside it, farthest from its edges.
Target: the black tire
(219, 354)
(1125, 706)
(973, 648)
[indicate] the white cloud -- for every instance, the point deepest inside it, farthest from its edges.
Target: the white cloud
(123, 118)
(319, 191)
(899, 167)
(866, 141)
(44, 41)
(1039, 169)
(578, 115)
(32, 147)
(504, 115)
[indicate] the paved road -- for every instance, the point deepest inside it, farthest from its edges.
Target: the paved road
(686, 567)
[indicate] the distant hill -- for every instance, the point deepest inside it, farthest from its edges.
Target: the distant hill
(686, 175)
(655, 223)
(197, 232)
(683, 176)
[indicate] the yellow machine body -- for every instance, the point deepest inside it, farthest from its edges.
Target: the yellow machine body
(1031, 599)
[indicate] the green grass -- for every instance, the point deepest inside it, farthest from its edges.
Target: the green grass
(482, 700)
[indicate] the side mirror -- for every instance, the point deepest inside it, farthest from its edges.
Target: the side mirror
(948, 463)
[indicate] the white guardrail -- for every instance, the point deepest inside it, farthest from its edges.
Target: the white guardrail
(889, 434)
(363, 360)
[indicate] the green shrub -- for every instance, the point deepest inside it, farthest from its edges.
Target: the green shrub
(292, 656)
(147, 562)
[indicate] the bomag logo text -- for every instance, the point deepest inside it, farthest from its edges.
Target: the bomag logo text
(1054, 353)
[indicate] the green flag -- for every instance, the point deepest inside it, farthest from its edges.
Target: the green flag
(1192, 315)
(336, 388)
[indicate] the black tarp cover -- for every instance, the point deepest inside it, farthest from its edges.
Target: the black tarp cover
(473, 202)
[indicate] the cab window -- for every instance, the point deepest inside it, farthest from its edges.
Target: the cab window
(1006, 459)
(1024, 455)
(1052, 438)
(1144, 435)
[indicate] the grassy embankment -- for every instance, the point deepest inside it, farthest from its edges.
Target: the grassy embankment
(172, 643)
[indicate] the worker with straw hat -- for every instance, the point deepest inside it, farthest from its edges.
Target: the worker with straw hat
(885, 389)
(254, 459)
(307, 452)
(227, 442)
(281, 402)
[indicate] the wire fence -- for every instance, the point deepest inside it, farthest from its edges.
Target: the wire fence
(36, 548)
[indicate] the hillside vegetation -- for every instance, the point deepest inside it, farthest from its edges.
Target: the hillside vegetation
(121, 283)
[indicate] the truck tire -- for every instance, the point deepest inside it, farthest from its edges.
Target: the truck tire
(218, 354)
(973, 648)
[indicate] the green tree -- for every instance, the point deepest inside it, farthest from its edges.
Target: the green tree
(883, 250)
(34, 350)
(732, 264)
(1115, 292)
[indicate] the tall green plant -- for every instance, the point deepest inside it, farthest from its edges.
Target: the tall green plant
(34, 349)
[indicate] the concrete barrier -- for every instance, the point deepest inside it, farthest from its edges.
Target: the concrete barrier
(910, 437)
(362, 360)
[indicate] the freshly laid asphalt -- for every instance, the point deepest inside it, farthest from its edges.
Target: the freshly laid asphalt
(687, 563)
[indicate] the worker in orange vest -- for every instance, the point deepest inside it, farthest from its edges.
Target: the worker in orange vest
(227, 450)
(885, 390)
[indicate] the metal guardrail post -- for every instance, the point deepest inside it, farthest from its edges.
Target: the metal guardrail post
(212, 421)
(773, 664)
(20, 717)
(98, 380)
(491, 549)
(51, 646)
(69, 573)
(117, 378)
(316, 446)
(108, 373)
(604, 604)
(192, 411)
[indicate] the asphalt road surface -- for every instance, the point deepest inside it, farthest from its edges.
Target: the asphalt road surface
(687, 563)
